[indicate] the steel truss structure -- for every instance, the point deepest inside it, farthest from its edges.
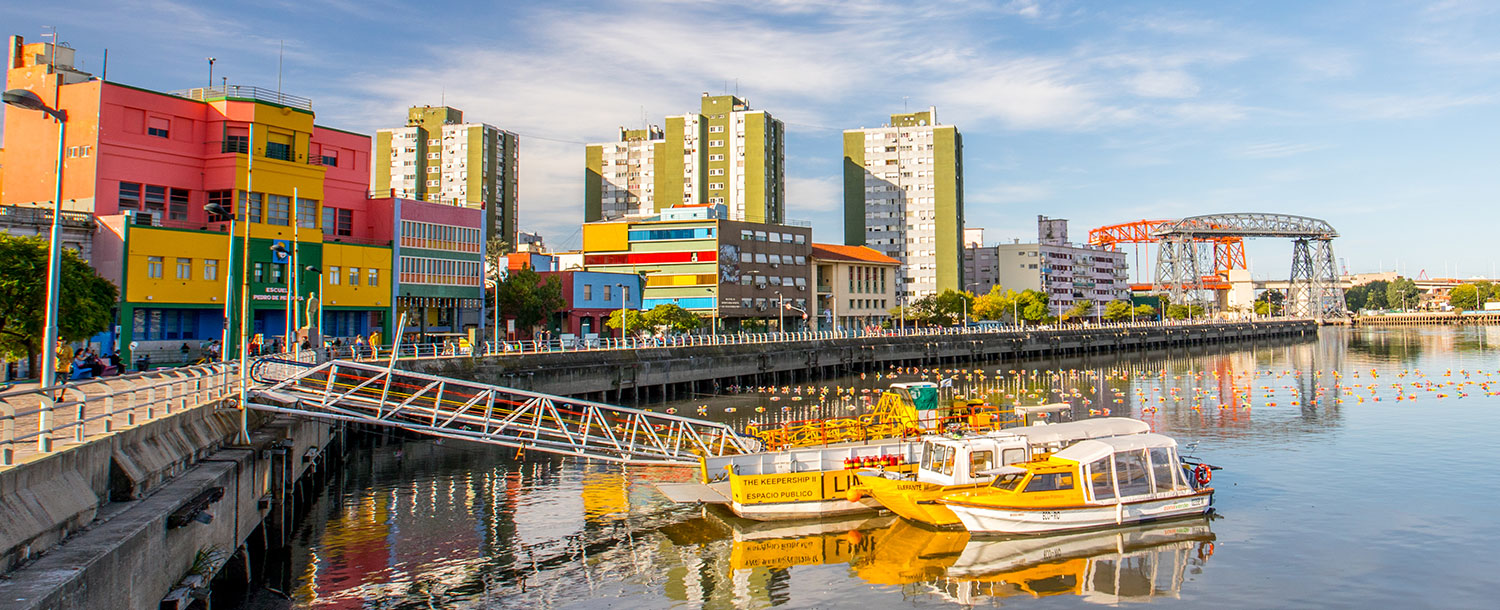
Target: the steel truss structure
(454, 408)
(1314, 288)
(1228, 252)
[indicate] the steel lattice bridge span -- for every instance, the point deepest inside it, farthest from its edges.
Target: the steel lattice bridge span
(473, 411)
(1314, 288)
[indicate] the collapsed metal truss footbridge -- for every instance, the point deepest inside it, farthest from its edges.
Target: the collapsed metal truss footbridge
(473, 411)
(1314, 289)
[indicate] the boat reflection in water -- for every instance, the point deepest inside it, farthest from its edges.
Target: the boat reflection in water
(1129, 564)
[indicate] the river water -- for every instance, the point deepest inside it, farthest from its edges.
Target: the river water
(1357, 472)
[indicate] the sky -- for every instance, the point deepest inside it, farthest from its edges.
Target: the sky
(1379, 117)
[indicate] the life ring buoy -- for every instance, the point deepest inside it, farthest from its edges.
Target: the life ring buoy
(1203, 474)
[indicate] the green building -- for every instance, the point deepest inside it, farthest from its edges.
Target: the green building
(724, 154)
(904, 197)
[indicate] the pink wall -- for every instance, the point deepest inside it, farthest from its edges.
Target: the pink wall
(347, 184)
(127, 153)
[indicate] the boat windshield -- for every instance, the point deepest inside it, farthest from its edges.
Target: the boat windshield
(1008, 482)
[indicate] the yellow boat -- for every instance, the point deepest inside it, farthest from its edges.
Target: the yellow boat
(959, 463)
(1094, 483)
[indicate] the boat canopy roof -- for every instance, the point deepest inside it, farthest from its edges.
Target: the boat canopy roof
(1088, 451)
(1081, 429)
(1002, 470)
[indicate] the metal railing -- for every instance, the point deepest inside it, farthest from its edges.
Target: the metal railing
(91, 408)
(245, 92)
(535, 346)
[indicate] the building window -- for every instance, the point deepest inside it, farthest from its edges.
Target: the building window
(329, 221)
(253, 205)
(333, 276)
(210, 269)
(156, 199)
(258, 273)
(158, 127)
(354, 276)
(278, 210)
(606, 293)
(307, 213)
(184, 268)
(178, 205)
(345, 223)
(279, 146)
(374, 279)
(715, 143)
(236, 140)
(130, 195)
(331, 158)
(588, 292)
(278, 273)
(153, 267)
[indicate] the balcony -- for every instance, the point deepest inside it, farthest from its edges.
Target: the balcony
(242, 92)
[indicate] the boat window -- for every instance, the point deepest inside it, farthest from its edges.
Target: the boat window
(1162, 466)
(927, 451)
(1008, 482)
(1100, 479)
(1011, 456)
(948, 460)
(980, 461)
(1130, 469)
(1052, 481)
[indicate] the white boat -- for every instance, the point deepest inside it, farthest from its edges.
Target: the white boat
(1093, 483)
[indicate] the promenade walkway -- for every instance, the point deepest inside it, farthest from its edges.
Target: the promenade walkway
(31, 425)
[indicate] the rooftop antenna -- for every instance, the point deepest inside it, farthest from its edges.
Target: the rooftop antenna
(210, 73)
(736, 87)
(903, 103)
(104, 72)
(52, 56)
(279, 56)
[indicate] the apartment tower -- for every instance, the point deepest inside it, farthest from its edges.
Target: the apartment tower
(904, 197)
(439, 158)
(724, 154)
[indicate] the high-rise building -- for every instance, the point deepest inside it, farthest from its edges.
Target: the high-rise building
(439, 158)
(904, 197)
(725, 154)
(980, 270)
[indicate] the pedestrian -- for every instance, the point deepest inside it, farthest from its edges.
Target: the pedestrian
(64, 361)
(185, 351)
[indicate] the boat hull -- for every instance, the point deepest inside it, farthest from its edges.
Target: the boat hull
(989, 519)
(817, 509)
(914, 500)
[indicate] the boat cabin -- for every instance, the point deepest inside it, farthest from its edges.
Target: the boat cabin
(970, 459)
(1104, 471)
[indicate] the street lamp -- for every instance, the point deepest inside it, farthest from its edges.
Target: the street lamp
(780, 307)
(27, 100)
(622, 313)
(279, 251)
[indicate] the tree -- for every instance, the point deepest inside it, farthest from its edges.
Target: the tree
(1402, 293)
(998, 304)
(672, 317)
(635, 321)
(1144, 311)
(948, 308)
(1183, 312)
(1275, 301)
(1081, 309)
(1354, 298)
(1034, 306)
(1117, 311)
(1464, 296)
(529, 298)
(84, 306)
(1375, 293)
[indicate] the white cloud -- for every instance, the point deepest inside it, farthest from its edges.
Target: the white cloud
(814, 195)
(1164, 83)
(1272, 150)
(1401, 106)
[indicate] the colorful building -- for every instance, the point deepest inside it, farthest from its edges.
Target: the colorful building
(725, 154)
(438, 158)
(145, 164)
(439, 252)
(718, 268)
(904, 196)
(856, 286)
(590, 297)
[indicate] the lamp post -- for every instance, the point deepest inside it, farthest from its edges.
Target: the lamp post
(622, 313)
(780, 309)
(27, 100)
(279, 251)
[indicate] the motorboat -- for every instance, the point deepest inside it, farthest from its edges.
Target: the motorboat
(1093, 483)
(952, 463)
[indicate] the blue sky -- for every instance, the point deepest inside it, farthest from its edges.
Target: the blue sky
(1380, 117)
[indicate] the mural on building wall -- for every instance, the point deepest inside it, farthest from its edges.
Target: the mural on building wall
(729, 263)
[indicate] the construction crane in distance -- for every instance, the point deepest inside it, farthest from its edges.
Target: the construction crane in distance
(1228, 252)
